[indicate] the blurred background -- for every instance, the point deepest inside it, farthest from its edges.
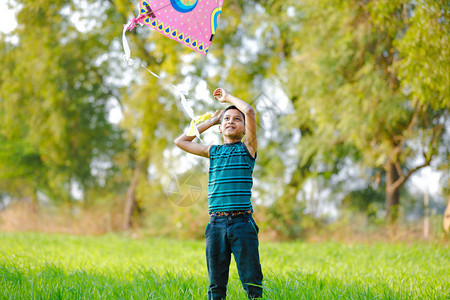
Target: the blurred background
(352, 99)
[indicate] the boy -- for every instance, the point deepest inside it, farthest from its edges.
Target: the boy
(231, 228)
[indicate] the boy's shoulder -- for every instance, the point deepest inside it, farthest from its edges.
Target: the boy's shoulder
(216, 150)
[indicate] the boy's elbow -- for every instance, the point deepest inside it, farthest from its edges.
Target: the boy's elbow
(249, 111)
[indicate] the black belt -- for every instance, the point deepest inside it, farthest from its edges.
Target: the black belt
(231, 213)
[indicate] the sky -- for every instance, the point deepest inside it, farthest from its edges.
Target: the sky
(7, 18)
(423, 180)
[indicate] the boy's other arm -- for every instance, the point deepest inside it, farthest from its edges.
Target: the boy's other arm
(185, 143)
(250, 118)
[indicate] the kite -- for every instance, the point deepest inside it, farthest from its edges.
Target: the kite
(192, 23)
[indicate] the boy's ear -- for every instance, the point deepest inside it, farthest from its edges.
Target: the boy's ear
(220, 128)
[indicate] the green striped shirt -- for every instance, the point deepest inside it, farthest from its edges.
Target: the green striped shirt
(230, 177)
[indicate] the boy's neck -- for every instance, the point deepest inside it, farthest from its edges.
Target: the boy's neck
(227, 140)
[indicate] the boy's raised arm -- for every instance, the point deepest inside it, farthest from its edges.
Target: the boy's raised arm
(250, 117)
(185, 143)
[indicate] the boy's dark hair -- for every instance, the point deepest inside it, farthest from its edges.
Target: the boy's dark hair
(232, 107)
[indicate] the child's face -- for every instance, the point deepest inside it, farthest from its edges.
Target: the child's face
(233, 124)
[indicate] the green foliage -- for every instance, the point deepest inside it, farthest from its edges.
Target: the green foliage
(368, 201)
(61, 266)
(352, 82)
(425, 60)
(54, 100)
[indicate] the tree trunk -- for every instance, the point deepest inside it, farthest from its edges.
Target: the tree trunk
(130, 201)
(446, 221)
(392, 194)
(34, 203)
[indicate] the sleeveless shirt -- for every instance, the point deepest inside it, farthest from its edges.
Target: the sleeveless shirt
(230, 177)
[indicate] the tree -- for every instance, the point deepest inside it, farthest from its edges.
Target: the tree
(345, 76)
(53, 100)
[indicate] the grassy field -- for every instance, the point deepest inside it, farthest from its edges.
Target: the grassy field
(42, 266)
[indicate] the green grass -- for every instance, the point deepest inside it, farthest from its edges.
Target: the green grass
(42, 266)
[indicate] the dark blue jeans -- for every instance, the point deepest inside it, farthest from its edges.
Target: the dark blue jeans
(237, 235)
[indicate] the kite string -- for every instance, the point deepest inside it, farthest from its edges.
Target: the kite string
(134, 21)
(131, 24)
(126, 48)
(186, 106)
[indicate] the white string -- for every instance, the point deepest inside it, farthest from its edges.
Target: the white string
(127, 58)
(186, 105)
(126, 48)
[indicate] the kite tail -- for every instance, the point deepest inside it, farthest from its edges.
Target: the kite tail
(127, 58)
(193, 128)
(186, 106)
(130, 26)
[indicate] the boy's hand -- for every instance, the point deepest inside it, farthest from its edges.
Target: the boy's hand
(221, 95)
(215, 119)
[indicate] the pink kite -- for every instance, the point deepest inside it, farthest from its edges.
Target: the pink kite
(192, 23)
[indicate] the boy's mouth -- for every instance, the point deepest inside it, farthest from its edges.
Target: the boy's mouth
(230, 127)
